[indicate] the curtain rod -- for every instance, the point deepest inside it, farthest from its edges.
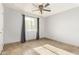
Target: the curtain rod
(30, 16)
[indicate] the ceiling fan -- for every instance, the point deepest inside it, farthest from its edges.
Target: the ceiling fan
(42, 7)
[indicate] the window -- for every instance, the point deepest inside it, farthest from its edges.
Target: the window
(30, 23)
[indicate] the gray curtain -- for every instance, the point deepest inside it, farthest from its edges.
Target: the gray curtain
(37, 35)
(23, 39)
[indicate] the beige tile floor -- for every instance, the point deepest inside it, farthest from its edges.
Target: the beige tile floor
(20, 48)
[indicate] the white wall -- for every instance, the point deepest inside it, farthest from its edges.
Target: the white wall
(1, 27)
(64, 26)
(12, 26)
(41, 28)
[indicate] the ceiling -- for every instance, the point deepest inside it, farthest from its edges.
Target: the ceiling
(55, 7)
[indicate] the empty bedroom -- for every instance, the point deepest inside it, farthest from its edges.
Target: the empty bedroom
(39, 29)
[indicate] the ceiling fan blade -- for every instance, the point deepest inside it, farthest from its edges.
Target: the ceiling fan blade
(36, 10)
(47, 4)
(34, 5)
(47, 10)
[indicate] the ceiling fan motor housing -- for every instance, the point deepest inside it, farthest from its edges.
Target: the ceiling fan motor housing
(40, 6)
